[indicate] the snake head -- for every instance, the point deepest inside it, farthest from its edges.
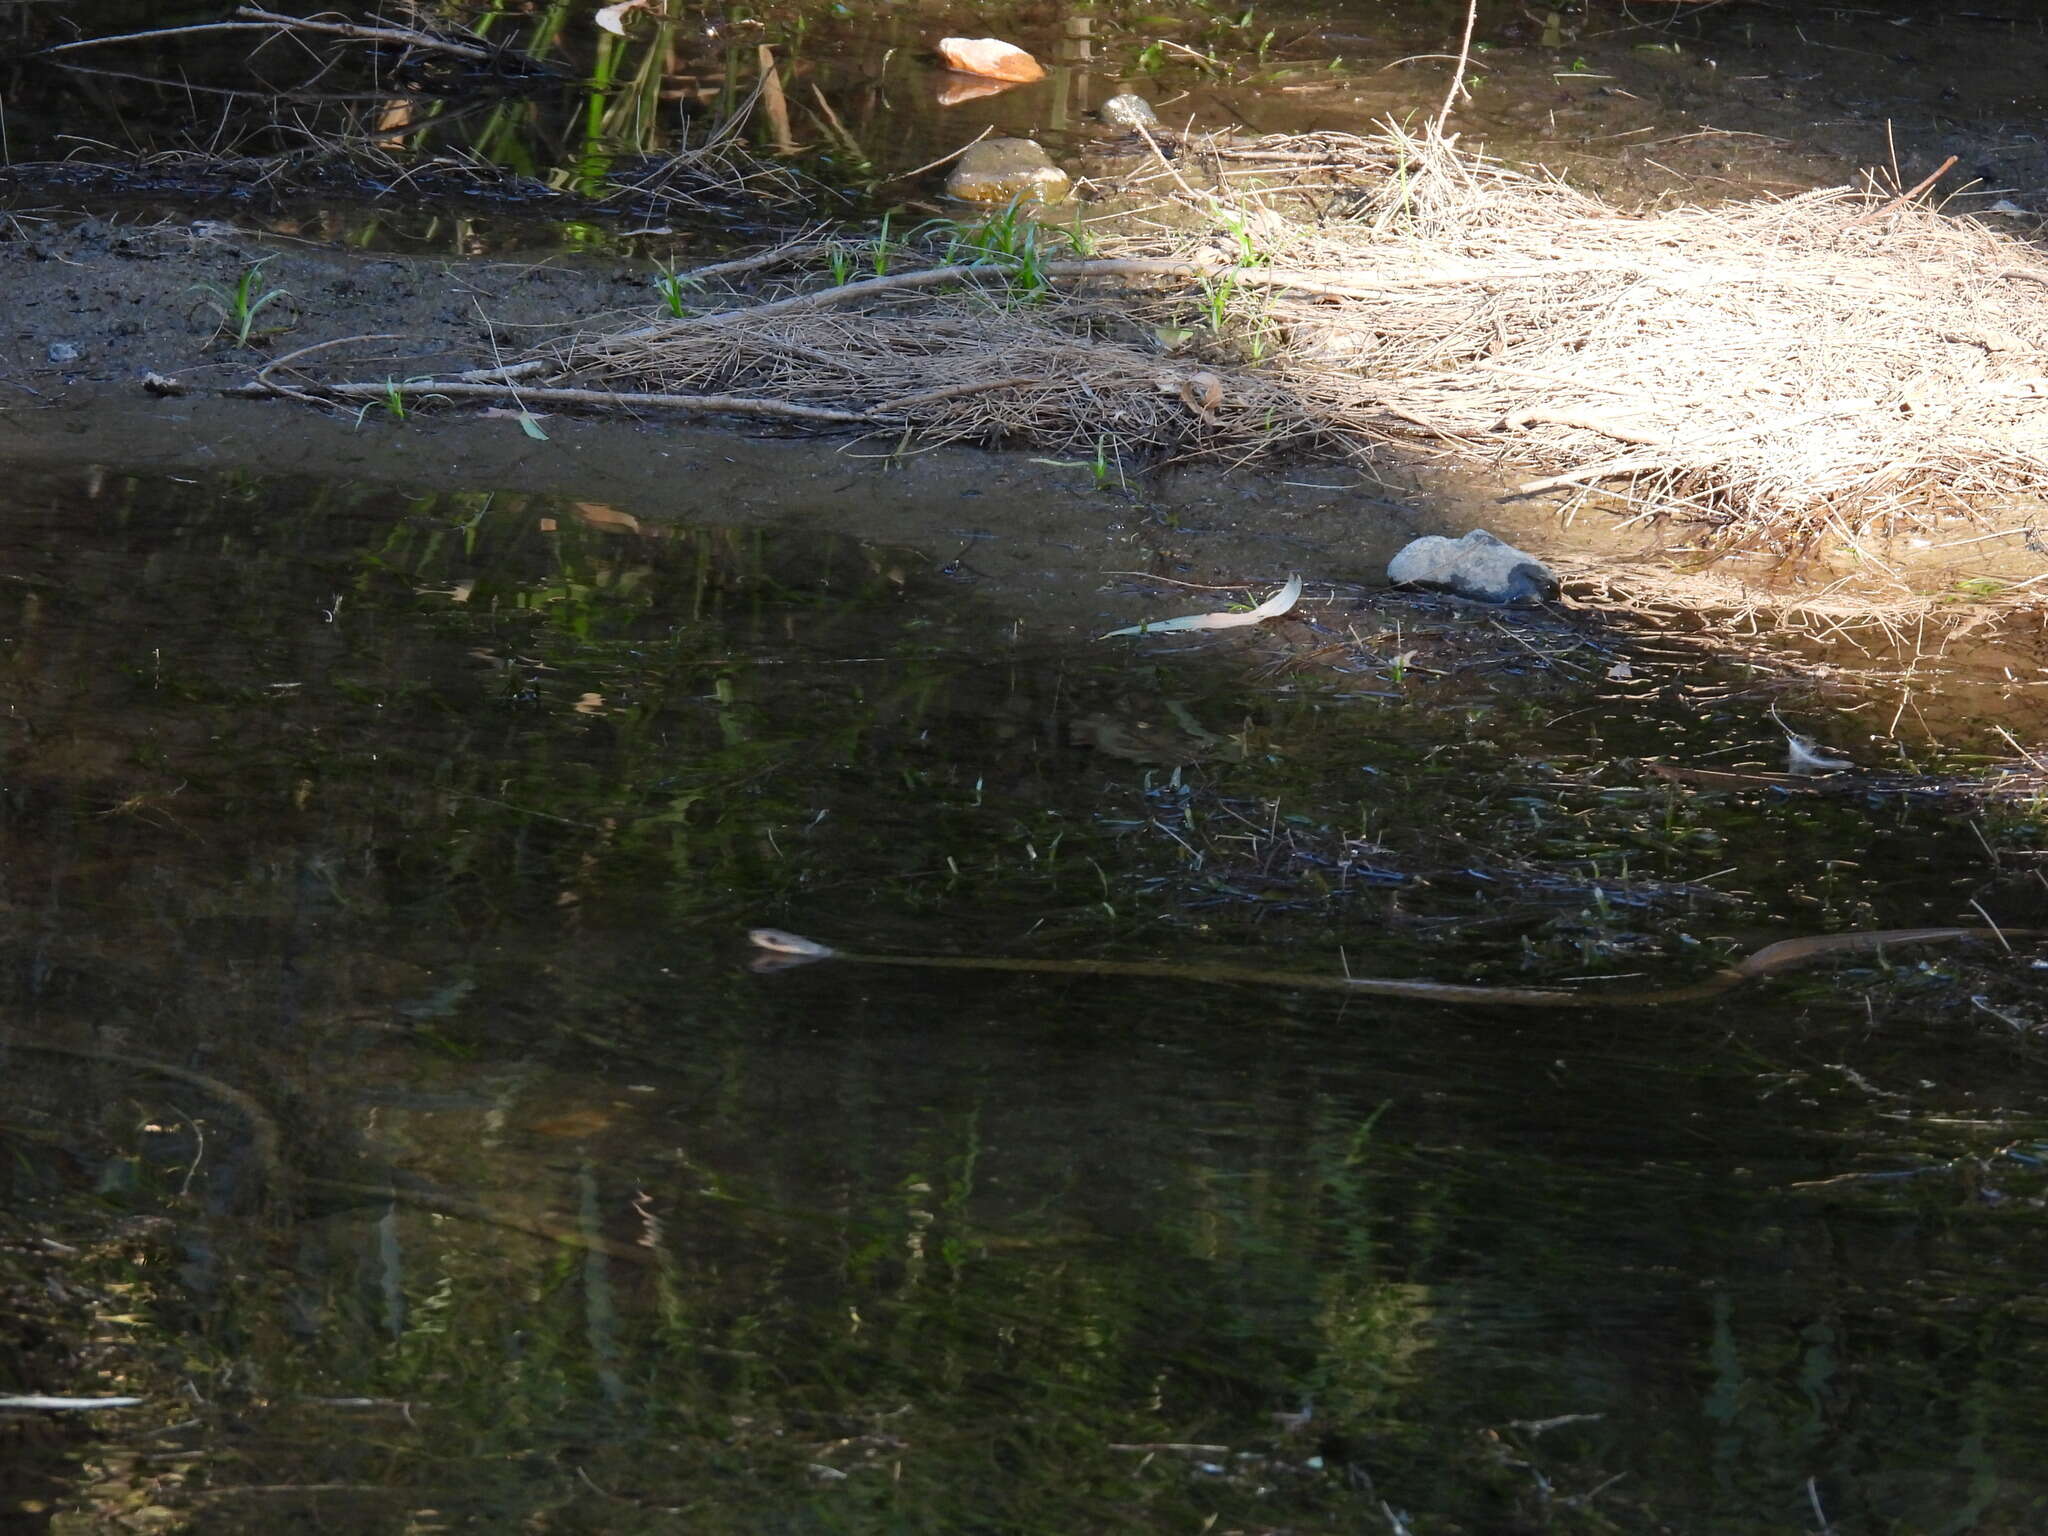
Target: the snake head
(780, 949)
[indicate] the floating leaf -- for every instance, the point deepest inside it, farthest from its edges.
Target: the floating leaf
(598, 515)
(1271, 608)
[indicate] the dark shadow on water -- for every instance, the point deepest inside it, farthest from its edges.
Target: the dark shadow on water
(427, 830)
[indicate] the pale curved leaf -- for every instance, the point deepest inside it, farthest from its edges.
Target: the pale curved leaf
(1271, 608)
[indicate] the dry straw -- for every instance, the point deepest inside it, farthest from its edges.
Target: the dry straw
(1835, 362)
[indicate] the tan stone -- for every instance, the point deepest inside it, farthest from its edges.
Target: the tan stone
(998, 170)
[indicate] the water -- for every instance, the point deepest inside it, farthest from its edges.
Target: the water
(1698, 102)
(434, 824)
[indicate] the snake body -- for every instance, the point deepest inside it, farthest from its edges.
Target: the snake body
(784, 949)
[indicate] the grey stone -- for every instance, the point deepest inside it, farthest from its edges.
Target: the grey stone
(64, 352)
(1477, 566)
(1129, 110)
(1000, 170)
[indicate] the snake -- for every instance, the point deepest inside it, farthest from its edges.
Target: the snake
(781, 949)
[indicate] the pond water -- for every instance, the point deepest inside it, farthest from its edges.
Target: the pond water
(421, 834)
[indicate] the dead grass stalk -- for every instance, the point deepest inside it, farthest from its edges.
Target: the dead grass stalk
(1838, 362)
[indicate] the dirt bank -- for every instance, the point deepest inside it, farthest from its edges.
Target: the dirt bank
(117, 306)
(104, 311)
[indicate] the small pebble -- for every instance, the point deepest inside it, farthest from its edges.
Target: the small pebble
(64, 352)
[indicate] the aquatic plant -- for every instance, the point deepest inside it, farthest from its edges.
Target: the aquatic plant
(672, 285)
(237, 305)
(1010, 237)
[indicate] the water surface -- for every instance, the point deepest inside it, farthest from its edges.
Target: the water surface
(433, 826)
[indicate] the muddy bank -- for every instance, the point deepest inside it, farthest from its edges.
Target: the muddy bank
(118, 355)
(123, 300)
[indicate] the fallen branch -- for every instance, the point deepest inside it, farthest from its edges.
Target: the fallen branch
(459, 389)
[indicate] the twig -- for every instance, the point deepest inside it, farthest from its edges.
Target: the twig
(45, 1404)
(160, 32)
(1996, 932)
(409, 36)
(262, 374)
(1813, 1484)
(1906, 196)
(1584, 421)
(854, 293)
(1165, 164)
(1458, 75)
(934, 165)
(934, 396)
(768, 258)
(1187, 1447)
(721, 405)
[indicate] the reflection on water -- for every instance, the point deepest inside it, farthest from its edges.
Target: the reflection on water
(1703, 102)
(427, 831)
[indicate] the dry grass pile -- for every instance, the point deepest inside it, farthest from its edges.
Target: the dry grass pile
(1789, 368)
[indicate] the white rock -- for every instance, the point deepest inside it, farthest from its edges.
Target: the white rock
(1129, 110)
(1476, 566)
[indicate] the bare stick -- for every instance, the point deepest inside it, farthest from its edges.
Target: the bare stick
(934, 396)
(727, 405)
(853, 293)
(934, 165)
(1165, 164)
(807, 241)
(1458, 75)
(1908, 195)
(262, 374)
(1583, 421)
(1195, 267)
(152, 36)
(264, 1136)
(775, 103)
(406, 35)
